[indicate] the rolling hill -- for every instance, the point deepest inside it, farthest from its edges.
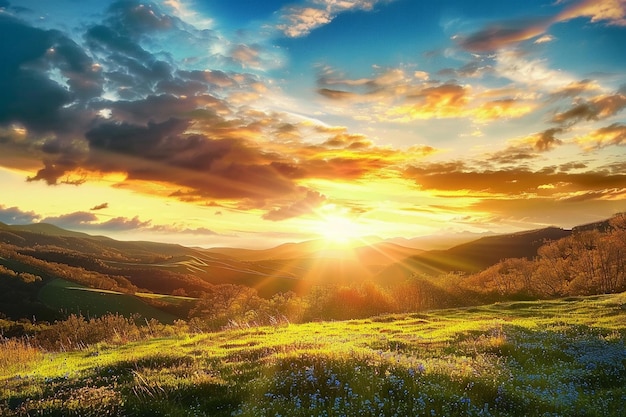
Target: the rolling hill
(473, 256)
(99, 262)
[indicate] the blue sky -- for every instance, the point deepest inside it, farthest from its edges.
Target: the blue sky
(251, 123)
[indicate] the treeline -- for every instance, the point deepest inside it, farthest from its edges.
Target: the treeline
(235, 306)
(52, 261)
(585, 263)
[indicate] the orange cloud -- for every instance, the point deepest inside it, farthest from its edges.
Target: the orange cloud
(394, 95)
(611, 11)
(503, 108)
(599, 107)
(504, 34)
(297, 21)
(500, 35)
(614, 134)
(447, 100)
(456, 176)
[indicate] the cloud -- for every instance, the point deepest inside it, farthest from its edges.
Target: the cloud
(576, 88)
(29, 97)
(612, 12)
(614, 134)
(306, 205)
(599, 107)
(89, 222)
(543, 211)
(610, 194)
(513, 155)
(502, 35)
(534, 73)
(178, 229)
(297, 21)
(544, 39)
(82, 220)
(100, 206)
(546, 140)
(78, 219)
(515, 181)
(398, 96)
(13, 215)
(129, 111)
(123, 223)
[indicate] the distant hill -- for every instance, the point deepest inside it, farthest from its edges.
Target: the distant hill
(439, 241)
(474, 256)
(97, 261)
(377, 253)
(45, 229)
(43, 234)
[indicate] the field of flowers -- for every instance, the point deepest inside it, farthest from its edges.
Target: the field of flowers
(564, 357)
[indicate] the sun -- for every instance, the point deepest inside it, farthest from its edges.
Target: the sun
(339, 229)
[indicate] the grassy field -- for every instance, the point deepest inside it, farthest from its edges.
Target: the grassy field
(552, 358)
(73, 298)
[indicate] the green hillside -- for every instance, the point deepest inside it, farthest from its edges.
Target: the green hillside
(62, 295)
(565, 357)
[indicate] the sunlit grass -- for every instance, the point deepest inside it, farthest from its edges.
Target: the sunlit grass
(559, 358)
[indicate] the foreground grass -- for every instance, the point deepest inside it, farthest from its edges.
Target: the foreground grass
(555, 358)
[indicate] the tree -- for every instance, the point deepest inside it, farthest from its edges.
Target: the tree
(554, 273)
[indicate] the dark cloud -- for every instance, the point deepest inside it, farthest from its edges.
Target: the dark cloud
(336, 94)
(599, 107)
(476, 68)
(546, 140)
(503, 34)
(100, 206)
(159, 108)
(153, 141)
(575, 89)
(570, 166)
(220, 168)
(190, 130)
(28, 96)
(58, 172)
(135, 18)
(13, 215)
(513, 155)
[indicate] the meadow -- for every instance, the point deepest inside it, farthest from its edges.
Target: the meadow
(60, 294)
(564, 357)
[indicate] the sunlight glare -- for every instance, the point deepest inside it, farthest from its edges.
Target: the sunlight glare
(338, 229)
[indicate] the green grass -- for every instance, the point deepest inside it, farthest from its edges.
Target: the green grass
(551, 358)
(73, 298)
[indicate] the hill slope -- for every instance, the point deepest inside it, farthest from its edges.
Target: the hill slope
(474, 256)
(562, 357)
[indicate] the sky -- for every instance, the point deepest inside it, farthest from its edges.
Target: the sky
(252, 123)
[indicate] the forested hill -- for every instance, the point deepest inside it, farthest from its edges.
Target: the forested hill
(477, 255)
(42, 234)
